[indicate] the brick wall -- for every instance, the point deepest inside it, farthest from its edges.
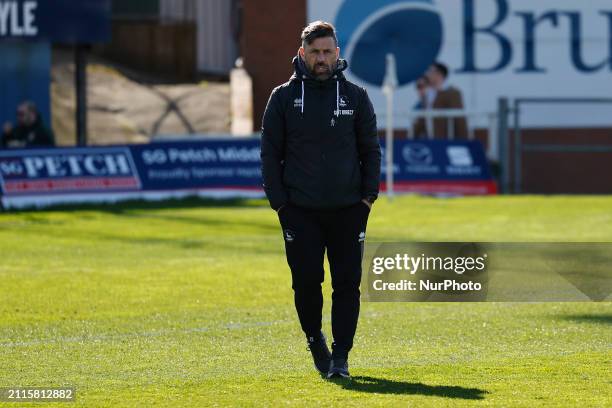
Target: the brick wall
(561, 172)
(270, 39)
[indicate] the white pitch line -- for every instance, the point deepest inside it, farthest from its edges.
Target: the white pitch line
(109, 337)
(154, 333)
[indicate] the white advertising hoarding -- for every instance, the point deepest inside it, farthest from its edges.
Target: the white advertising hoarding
(493, 48)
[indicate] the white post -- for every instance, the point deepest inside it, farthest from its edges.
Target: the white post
(241, 100)
(389, 86)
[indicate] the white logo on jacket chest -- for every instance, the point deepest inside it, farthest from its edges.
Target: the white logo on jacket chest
(297, 103)
(343, 101)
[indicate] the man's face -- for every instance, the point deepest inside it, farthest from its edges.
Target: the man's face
(320, 57)
(421, 86)
(434, 76)
(25, 116)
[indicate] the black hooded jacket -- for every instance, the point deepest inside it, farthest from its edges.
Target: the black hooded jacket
(319, 146)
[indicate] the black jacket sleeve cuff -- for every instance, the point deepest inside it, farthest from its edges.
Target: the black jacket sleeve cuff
(370, 197)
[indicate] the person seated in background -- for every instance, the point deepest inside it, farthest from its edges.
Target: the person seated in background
(30, 130)
(440, 95)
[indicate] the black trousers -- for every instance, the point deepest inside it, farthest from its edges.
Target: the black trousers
(308, 233)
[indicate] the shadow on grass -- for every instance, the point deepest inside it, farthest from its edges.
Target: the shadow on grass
(121, 207)
(384, 386)
(590, 318)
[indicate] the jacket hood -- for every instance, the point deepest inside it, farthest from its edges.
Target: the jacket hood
(302, 75)
(301, 72)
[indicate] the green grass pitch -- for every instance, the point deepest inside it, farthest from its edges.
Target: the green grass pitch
(190, 304)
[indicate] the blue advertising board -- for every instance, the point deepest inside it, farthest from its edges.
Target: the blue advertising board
(64, 21)
(214, 164)
(210, 168)
(440, 167)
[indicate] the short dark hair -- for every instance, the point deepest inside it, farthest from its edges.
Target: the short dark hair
(441, 68)
(318, 29)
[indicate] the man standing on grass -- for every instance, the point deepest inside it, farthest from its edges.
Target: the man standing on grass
(321, 171)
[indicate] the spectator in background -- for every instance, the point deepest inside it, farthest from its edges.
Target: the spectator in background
(440, 95)
(422, 86)
(30, 130)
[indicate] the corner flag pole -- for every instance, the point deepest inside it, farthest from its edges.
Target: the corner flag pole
(388, 88)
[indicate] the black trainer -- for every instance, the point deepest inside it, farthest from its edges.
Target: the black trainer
(320, 353)
(339, 369)
(339, 364)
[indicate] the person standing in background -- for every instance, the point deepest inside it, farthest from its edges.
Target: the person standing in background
(422, 88)
(440, 95)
